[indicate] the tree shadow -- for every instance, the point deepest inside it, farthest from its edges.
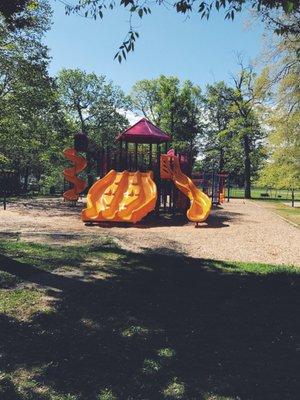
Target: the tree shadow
(221, 218)
(161, 319)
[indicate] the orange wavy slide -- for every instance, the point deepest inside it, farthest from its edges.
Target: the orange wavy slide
(200, 203)
(121, 196)
(70, 174)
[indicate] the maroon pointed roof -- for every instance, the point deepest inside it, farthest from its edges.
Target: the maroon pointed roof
(144, 132)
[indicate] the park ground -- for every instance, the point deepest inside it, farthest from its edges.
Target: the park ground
(157, 311)
(237, 231)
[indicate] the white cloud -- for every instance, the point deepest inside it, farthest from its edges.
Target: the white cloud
(131, 116)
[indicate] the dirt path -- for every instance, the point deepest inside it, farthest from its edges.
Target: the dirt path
(239, 230)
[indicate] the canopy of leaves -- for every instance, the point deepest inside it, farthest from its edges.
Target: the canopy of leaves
(96, 105)
(17, 14)
(174, 106)
(230, 118)
(31, 124)
(282, 79)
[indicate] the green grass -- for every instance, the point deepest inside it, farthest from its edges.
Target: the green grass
(21, 303)
(258, 193)
(48, 258)
(291, 214)
(7, 280)
(151, 325)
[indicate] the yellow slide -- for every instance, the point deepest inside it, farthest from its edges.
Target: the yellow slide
(200, 203)
(121, 196)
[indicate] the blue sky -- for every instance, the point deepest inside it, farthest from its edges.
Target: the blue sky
(199, 50)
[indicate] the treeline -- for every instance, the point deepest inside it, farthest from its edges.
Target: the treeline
(249, 128)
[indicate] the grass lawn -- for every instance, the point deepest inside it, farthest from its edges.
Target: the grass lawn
(258, 193)
(291, 214)
(100, 323)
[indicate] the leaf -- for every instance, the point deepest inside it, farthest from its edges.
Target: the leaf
(201, 7)
(288, 6)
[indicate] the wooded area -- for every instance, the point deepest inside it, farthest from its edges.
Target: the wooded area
(248, 127)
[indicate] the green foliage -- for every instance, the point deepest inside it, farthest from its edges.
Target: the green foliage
(33, 129)
(7, 280)
(174, 106)
(233, 139)
(106, 394)
(218, 142)
(283, 167)
(174, 390)
(39, 115)
(18, 14)
(94, 104)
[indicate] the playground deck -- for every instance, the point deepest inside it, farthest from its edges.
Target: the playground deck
(237, 231)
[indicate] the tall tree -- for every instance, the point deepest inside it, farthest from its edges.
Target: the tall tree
(95, 106)
(218, 114)
(223, 146)
(29, 113)
(174, 106)
(245, 124)
(282, 78)
(94, 103)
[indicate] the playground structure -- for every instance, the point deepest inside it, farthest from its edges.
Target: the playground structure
(121, 196)
(140, 177)
(213, 184)
(70, 174)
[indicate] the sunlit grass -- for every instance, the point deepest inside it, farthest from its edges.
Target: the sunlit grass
(289, 213)
(22, 303)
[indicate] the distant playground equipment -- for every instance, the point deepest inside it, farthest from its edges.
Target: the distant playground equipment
(213, 184)
(139, 177)
(70, 174)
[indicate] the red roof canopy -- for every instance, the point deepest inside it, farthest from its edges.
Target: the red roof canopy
(144, 132)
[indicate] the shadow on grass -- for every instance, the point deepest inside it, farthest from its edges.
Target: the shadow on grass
(163, 326)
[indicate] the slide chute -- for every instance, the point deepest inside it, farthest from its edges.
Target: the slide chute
(121, 196)
(70, 174)
(200, 203)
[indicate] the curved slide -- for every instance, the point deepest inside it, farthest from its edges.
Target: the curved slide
(200, 203)
(70, 174)
(121, 196)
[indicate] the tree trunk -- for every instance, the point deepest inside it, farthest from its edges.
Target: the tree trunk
(81, 118)
(26, 176)
(90, 178)
(221, 160)
(247, 167)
